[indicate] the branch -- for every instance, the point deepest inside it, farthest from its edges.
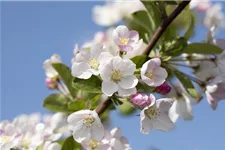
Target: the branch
(103, 106)
(166, 22)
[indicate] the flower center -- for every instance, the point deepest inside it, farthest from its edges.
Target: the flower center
(88, 121)
(149, 74)
(93, 63)
(116, 75)
(152, 113)
(93, 144)
(124, 41)
(25, 143)
(5, 139)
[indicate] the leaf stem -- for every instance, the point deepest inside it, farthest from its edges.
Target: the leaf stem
(165, 23)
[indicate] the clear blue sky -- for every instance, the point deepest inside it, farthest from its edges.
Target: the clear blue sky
(33, 31)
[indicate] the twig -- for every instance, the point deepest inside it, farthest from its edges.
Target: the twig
(103, 106)
(166, 22)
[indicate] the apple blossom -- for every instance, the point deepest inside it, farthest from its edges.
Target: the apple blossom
(163, 89)
(112, 140)
(215, 91)
(117, 75)
(87, 63)
(141, 100)
(47, 65)
(156, 116)
(182, 107)
(126, 40)
(152, 74)
(86, 125)
(9, 136)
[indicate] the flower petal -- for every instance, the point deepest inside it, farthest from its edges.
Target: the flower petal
(163, 122)
(146, 124)
(126, 92)
(81, 70)
(128, 82)
(109, 87)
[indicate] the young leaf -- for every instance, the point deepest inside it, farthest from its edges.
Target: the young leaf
(141, 17)
(139, 60)
(70, 144)
(190, 28)
(202, 48)
(154, 14)
(186, 83)
(56, 103)
(76, 105)
(65, 74)
(92, 85)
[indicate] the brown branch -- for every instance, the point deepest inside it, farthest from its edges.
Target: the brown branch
(103, 106)
(166, 22)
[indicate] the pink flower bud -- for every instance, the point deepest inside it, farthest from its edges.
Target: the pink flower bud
(141, 100)
(51, 83)
(163, 89)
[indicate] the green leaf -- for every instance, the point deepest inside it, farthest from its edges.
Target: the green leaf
(144, 88)
(171, 2)
(66, 76)
(139, 60)
(92, 85)
(175, 47)
(186, 82)
(76, 105)
(71, 144)
(116, 101)
(202, 48)
(141, 17)
(191, 27)
(56, 103)
(154, 14)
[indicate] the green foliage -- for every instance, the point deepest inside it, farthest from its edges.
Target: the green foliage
(154, 14)
(116, 101)
(141, 17)
(66, 76)
(56, 103)
(76, 105)
(71, 144)
(139, 60)
(186, 82)
(92, 85)
(202, 48)
(190, 29)
(144, 88)
(174, 47)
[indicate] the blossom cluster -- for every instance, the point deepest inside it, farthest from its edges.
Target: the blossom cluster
(28, 132)
(116, 67)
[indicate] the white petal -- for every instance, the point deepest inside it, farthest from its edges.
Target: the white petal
(173, 113)
(54, 146)
(116, 132)
(97, 131)
(77, 116)
(122, 31)
(159, 76)
(81, 133)
(163, 122)
(126, 92)
(108, 88)
(184, 110)
(146, 124)
(128, 82)
(96, 50)
(116, 144)
(81, 70)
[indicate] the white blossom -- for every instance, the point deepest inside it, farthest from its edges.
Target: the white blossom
(86, 63)
(86, 125)
(47, 65)
(152, 74)
(118, 75)
(126, 40)
(156, 116)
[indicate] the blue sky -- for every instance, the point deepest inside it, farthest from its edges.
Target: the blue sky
(33, 31)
